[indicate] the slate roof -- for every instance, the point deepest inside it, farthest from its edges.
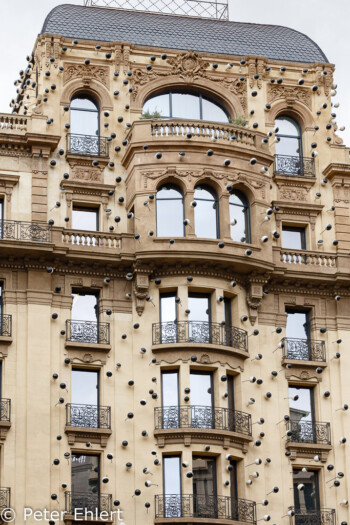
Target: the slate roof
(179, 32)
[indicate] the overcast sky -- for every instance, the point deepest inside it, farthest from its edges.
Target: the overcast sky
(325, 21)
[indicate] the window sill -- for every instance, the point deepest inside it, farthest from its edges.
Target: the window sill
(4, 428)
(69, 345)
(97, 436)
(308, 450)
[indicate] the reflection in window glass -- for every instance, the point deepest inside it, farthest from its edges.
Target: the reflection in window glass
(239, 217)
(301, 407)
(206, 213)
(204, 487)
(201, 389)
(85, 479)
(298, 325)
(199, 306)
(307, 499)
(184, 105)
(172, 486)
(84, 116)
(289, 135)
(170, 212)
(85, 219)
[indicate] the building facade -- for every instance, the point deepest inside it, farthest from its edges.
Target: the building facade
(174, 276)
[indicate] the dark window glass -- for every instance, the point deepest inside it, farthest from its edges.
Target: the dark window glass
(84, 306)
(231, 392)
(84, 116)
(290, 137)
(170, 212)
(85, 218)
(307, 499)
(206, 213)
(298, 325)
(1, 209)
(204, 487)
(185, 105)
(1, 311)
(234, 487)
(85, 482)
(293, 238)
(239, 217)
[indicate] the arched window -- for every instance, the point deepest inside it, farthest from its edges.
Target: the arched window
(290, 137)
(239, 217)
(170, 211)
(206, 213)
(184, 105)
(84, 126)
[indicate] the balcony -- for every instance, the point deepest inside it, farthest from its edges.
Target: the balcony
(298, 351)
(199, 424)
(308, 438)
(5, 498)
(192, 508)
(87, 145)
(5, 417)
(5, 332)
(84, 335)
(88, 421)
(294, 165)
(305, 516)
(201, 334)
(25, 231)
(88, 507)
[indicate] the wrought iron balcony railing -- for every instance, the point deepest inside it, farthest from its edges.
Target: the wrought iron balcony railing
(205, 506)
(309, 432)
(194, 416)
(87, 332)
(299, 166)
(88, 416)
(6, 325)
(305, 516)
(5, 410)
(5, 498)
(199, 332)
(87, 145)
(92, 502)
(25, 231)
(304, 349)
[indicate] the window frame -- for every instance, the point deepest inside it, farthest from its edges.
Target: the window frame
(317, 488)
(291, 310)
(80, 96)
(180, 190)
(215, 196)
(95, 454)
(311, 389)
(193, 92)
(245, 205)
(90, 209)
(297, 137)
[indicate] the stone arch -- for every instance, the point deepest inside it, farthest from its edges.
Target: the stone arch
(298, 111)
(94, 88)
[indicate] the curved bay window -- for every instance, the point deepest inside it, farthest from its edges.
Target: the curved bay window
(84, 137)
(239, 217)
(184, 105)
(170, 211)
(206, 213)
(289, 152)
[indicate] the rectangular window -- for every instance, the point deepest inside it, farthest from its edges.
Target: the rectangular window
(234, 488)
(302, 415)
(84, 408)
(202, 400)
(85, 218)
(205, 503)
(85, 307)
(172, 487)
(168, 318)
(170, 399)
(228, 321)
(306, 500)
(298, 324)
(1, 291)
(85, 482)
(199, 329)
(1, 208)
(293, 238)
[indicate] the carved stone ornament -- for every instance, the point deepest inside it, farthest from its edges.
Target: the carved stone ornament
(189, 66)
(290, 193)
(141, 285)
(83, 170)
(73, 71)
(255, 296)
(290, 94)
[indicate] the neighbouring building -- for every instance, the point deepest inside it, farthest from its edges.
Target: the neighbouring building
(174, 275)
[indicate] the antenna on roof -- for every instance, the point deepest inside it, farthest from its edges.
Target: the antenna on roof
(198, 8)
